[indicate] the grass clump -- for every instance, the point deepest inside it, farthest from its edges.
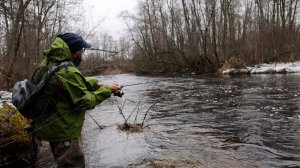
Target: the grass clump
(131, 127)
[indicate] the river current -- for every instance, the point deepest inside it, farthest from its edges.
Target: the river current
(204, 121)
(198, 121)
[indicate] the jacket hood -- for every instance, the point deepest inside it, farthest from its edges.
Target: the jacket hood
(58, 51)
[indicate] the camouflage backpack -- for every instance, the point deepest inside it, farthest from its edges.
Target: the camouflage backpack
(33, 98)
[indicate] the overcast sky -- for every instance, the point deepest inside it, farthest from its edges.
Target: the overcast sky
(108, 11)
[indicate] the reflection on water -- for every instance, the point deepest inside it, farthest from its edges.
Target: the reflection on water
(200, 121)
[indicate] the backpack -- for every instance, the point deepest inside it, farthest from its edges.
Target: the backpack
(28, 97)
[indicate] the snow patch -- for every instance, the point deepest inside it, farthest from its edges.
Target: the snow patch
(5, 96)
(292, 67)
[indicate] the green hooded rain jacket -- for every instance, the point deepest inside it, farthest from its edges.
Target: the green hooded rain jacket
(63, 122)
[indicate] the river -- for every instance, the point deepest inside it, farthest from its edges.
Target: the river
(198, 121)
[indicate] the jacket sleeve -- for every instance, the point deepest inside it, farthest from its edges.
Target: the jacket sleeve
(76, 87)
(92, 82)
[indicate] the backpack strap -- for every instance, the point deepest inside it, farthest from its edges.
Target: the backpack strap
(51, 72)
(58, 66)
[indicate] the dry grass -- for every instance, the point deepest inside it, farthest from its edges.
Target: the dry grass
(233, 63)
(118, 68)
(131, 127)
(171, 163)
(111, 71)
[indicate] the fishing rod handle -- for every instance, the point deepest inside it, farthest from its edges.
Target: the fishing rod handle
(119, 93)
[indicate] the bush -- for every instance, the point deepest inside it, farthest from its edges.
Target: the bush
(15, 144)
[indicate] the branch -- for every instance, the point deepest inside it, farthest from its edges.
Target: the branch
(147, 112)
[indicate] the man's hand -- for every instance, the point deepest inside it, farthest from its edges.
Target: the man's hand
(115, 87)
(99, 85)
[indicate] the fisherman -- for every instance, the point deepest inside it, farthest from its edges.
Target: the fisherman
(73, 94)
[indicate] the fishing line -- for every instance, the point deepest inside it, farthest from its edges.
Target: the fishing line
(160, 80)
(138, 83)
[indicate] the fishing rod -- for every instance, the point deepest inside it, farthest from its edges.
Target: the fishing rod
(120, 93)
(103, 50)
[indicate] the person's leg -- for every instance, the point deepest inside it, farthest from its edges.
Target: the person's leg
(69, 153)
(36, 144)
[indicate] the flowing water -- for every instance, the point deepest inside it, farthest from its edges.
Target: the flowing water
(198, 121)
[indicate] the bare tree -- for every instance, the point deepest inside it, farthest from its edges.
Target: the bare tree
(201, 35)
(28, 28)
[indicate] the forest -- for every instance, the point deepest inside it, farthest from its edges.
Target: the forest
(162, 37)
